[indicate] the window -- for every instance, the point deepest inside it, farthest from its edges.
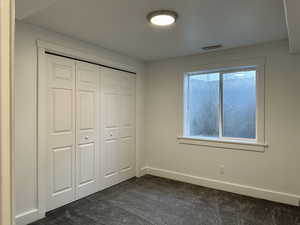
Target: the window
(222, 105)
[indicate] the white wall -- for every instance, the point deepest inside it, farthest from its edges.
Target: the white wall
(26, 105)
(273, 174)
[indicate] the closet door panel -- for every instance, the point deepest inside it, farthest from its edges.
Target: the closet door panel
(126, 115)
(111, 157)
(62, 169)
(126, 154)
(87, 160)
(62, 109)
(119, 127)
(111, 83)
(111, 110)
(87, 163)
(61, 72)
(111, 162)
(61, 132)
(86, 110)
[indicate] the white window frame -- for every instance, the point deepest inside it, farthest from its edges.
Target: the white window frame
(257, 144)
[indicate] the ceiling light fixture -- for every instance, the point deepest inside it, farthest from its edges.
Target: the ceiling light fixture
(162, 17)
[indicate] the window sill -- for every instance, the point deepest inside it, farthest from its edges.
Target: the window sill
(227, 144)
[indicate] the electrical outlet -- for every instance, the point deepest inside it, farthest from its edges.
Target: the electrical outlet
(222, 170)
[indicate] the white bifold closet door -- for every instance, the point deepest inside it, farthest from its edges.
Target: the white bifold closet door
(91, 129)
(87, 126)
(73, 130)
(118, 127)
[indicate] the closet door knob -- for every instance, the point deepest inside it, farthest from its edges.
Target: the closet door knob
(86, 137)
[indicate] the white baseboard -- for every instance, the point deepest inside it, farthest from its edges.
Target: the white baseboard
(29, 217)
(261, 193)
(143, 171)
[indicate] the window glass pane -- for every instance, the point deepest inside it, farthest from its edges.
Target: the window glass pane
(203, 105)
(239, 104)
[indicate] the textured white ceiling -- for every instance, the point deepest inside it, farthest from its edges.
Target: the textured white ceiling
(121, 25)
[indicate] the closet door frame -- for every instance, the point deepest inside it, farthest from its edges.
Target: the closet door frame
(41, 134)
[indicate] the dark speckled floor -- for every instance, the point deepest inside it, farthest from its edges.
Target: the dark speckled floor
(156, 201)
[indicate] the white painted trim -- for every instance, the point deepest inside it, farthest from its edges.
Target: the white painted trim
(252, 191)
(41, 132)
(227, 144)
(143, 171)
(230, 141)
(13, 154)
(29, 217)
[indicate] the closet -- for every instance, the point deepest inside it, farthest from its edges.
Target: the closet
(91, 129)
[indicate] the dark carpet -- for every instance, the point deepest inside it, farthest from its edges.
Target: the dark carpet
(156, 201)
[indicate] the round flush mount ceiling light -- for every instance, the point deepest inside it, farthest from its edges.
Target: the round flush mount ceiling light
(162, 17)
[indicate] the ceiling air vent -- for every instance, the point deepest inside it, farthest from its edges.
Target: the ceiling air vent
(212, 47)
